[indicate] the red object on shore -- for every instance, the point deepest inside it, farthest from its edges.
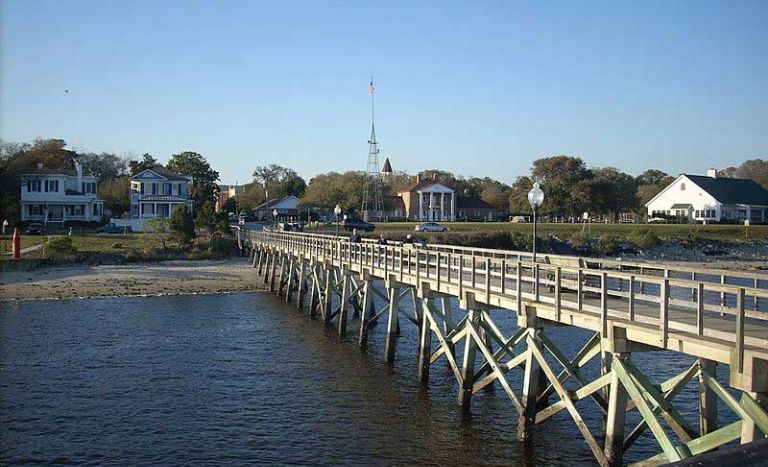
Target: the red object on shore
(16, 243)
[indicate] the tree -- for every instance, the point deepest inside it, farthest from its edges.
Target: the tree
(116, 194)
(565, 181)
(328, 189)
(204, 178)
(613, 191)
(728, 172)
(206, 217)
(279, 181)
(181, 224)
(518, 195)
(146, 162)
(755, 169)
(103, 166)
(650, 176)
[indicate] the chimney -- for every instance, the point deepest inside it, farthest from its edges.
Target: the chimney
(39, 165)
(712, 173)
(418, 178)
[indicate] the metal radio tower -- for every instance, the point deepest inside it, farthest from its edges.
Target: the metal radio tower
(373, 201)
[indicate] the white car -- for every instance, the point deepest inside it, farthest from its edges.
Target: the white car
(430, 227)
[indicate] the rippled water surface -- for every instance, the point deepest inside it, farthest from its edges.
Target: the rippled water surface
(246, 378)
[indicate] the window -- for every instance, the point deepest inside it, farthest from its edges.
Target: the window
(682, 186)
(89, 188)
(52, 186)
(154, 188)
(141, 189)
(35, 210)
(33, 185)
(697, 214)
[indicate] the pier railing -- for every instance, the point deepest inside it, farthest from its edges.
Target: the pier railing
(645, 293)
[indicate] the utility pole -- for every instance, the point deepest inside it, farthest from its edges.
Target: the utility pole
(373, 200)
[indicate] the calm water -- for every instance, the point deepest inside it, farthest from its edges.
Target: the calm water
(245, 378)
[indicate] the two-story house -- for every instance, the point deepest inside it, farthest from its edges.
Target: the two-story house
(156, 192)
(54, 196)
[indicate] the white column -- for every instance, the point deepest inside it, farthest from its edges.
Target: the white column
(421, 206)
(431, 206)
(453, 206)
(442, 206)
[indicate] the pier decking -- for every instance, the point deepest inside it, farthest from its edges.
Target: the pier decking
(718, 317)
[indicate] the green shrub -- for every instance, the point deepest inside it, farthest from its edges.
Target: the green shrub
(607, 244)
(182, 225)
(579, 240)
(59, 247)
(644, 238)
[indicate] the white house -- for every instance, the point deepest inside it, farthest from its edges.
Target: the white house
(710, 198)
(156, 192)
(54, 196)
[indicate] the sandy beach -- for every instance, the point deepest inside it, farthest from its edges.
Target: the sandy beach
(162, 278)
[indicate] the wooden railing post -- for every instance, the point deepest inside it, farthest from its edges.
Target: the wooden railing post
(664, 311)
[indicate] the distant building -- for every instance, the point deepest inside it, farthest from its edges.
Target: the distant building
(156, 192)
(287, 208)
(430, 200)
(712, 199)
(386, 170)
(226, 192)
(55, 196)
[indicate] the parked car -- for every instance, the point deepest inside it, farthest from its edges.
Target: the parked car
(36, 229)
(657, 220)
(520, 219)
(247, 217)
(114, 229)
(358, 224)
(430, 227)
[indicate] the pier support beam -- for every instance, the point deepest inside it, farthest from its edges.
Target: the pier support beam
(749, 430)
(707, 398)
(468, 362)
(425, 342)
(367, 309)
(615, 423)
(344, 302)
(393, 323)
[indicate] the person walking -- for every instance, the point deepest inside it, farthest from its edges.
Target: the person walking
(355, 237)
(382, 240)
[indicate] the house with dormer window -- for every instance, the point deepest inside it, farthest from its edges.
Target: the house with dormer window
(55, 196)
(156, 192)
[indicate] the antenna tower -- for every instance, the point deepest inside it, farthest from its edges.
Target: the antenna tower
(373, 200)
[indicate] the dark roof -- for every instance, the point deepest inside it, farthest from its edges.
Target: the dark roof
(163, 172)
(393, 202)
(732, 190)
(48, 171)
(387, 169)
(472, 202)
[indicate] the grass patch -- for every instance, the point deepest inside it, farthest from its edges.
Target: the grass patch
(675, 231)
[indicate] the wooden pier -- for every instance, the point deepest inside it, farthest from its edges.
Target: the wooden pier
(717, 317)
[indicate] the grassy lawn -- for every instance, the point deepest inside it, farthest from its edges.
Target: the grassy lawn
(6, 241)
(712, 232)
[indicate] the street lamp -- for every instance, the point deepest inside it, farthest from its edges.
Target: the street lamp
(337, 211)
(274, 215)
(535, 199)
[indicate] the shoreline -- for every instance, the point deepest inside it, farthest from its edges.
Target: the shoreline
(163, 278)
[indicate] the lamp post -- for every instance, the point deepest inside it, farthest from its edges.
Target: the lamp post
(274, 215)
(535, 199)
(337, 211)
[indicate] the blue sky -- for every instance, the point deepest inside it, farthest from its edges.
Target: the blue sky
(477, 88)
